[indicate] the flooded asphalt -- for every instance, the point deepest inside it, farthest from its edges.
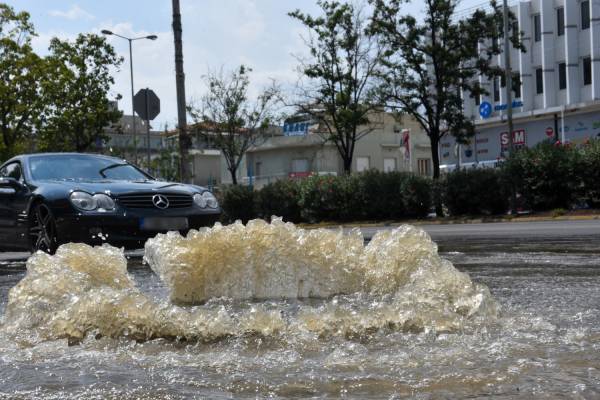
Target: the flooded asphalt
(545, 342)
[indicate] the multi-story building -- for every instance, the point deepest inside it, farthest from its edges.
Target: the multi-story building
(559, 94)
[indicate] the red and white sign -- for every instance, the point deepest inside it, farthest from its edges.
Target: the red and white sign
(518, 138)
(406, 142)
(549, 132)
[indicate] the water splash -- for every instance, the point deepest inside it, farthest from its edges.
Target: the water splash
(397, 282)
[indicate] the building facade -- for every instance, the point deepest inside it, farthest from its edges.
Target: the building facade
(393, 145)
(559, 93)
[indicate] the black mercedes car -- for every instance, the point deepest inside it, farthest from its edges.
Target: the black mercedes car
(53, 198)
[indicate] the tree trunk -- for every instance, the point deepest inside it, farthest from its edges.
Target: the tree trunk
(233, 173)
(347, 164)
(435, 158)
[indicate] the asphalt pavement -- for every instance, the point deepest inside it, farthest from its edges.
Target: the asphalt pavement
(506, 230)
(588, 230)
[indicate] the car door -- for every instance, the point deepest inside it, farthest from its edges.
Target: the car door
(13, 206)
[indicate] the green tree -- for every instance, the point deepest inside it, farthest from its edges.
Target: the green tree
(77, 89)
(430, 65)
(229, 120)
(21, 72)
(340, 74)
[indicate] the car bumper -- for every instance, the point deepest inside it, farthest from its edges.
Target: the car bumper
(123, 229)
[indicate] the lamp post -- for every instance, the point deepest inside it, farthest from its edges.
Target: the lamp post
(130, 40)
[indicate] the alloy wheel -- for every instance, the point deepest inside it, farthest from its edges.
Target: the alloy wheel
(42, 230)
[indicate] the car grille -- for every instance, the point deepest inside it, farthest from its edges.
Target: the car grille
(144, 200)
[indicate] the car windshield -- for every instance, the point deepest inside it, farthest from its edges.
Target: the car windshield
(82, 168)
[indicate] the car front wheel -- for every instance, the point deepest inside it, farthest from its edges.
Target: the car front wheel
(42, 229)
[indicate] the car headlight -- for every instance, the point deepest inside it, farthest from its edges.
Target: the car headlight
(87, 202)
(104, 202)
(206, 199)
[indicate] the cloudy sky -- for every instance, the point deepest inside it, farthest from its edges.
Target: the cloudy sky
(216, 33)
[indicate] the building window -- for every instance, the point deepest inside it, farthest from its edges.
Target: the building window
(362, 164)
(585, 15)
(560, 21)
(300, 165)
(258, 169)
(496, 89)
(423, 166)
(562, 76)
(587, 71)
(516, 84)
(539, 81)
(389, 164)
(537, 27)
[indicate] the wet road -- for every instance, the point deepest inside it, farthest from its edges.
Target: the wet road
(544, 344)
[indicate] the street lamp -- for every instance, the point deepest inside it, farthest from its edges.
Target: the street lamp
(151, 37)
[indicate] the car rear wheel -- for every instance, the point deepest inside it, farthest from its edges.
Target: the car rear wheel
(42, 230)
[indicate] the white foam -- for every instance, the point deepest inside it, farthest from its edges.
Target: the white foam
(398, 281)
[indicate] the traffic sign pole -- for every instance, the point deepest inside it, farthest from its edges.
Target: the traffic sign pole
(147, 131)
(147, 105)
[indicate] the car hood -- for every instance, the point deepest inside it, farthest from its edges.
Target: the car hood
(121, 187)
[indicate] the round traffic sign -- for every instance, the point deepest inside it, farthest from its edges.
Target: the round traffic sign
(549, 132)
(485, 109)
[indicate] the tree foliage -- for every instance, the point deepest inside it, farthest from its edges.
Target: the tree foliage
(21, 72)
(431, 65)
(343, 60)
(229, 119)
(77, 94)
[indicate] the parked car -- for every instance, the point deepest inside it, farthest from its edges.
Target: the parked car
(54, 198)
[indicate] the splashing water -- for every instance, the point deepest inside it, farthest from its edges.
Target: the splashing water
(396, 282)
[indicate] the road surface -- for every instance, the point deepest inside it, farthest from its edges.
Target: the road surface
(582, 231)
(507, 230)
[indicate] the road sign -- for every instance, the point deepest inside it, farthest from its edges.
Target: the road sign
(146, 104)
(485, 109)
(549, 132)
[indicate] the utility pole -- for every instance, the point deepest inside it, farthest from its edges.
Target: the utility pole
(184, 140)
(509, 110)
(135, 155)
(508, 79)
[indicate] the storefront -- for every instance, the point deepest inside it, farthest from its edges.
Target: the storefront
(491, 141)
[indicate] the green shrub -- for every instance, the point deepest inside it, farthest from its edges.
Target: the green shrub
(382, 194)
(370, 195)
(475, 192)
(330, 198)
(416, 196)
(237, 202)
(545, 175)
(589, 171)
(281, 199)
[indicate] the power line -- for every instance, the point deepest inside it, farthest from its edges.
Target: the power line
(485, 6)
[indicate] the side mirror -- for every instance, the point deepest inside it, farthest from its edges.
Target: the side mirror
(9, 185)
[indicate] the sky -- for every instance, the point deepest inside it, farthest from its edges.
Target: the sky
(216, 34)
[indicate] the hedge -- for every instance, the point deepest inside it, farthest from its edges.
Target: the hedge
(547, 176)
(475, 192)
(279, 199)
(371, 195)
(237, 203)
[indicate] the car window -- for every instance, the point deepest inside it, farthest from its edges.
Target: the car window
(12, 170)
(82, 167)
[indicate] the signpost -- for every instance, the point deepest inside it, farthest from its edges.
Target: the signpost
(147, 105)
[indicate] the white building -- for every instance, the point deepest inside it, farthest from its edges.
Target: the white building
(559, 95)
